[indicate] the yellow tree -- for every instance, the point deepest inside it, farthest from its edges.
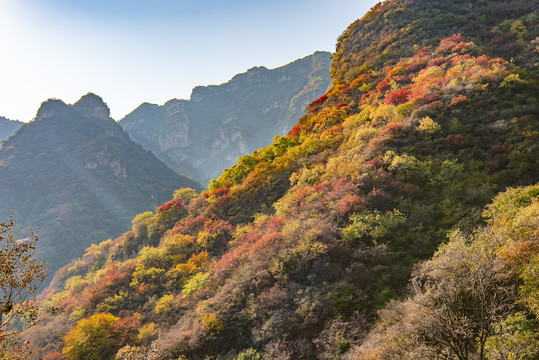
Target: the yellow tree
(94, 338)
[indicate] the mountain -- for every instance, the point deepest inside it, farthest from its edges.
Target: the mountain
(206, 134)
(396, 220)
(74, 172)
(8, 127)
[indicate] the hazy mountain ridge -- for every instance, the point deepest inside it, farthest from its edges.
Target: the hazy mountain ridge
(8, 127)
(294, 251)
(202, 136)
(74, 172)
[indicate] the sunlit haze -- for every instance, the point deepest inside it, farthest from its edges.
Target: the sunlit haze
(134, 51)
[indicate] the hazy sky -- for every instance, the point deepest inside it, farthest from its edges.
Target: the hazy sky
(132, 51)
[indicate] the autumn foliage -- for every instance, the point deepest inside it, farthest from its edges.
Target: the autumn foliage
(328, 243)
(172, 204)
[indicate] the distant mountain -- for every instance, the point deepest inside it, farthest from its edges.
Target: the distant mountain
(77, 174)
(202, 136)
(8, 127)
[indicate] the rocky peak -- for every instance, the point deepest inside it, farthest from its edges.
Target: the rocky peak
(200, 92)
(257, 70)
(51, 108)
(92, 105)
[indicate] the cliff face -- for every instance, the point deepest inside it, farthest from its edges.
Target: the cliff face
(74, 172)
(202, 136)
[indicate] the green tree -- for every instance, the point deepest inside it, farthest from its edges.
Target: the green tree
(249, 354)
(185, 195)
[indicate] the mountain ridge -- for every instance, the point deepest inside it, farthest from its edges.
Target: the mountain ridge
(207, 133)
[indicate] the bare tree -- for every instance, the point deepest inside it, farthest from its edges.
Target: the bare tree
(21, 273)
(466, 296)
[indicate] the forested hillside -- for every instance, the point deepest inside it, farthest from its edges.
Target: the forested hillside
(202, 136)
(76, 174)
(380, 227)
(477, 298)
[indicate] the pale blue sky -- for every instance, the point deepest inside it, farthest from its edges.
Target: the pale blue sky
(132, 51)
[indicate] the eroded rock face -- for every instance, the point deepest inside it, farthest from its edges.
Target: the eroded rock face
(93, 106)
(51, 108)
(91, 165)
(118, 169)
(232, 143)
(206, 134)
(176, 138)
(105, 159)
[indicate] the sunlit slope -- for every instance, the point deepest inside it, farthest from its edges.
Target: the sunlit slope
(294, 249)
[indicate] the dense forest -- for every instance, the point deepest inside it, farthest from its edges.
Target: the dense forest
(398, 219)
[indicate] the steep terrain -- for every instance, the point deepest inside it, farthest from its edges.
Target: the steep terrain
(477, 298)
(8, 127)
(74, 172)
(294, 250)
(206, 134)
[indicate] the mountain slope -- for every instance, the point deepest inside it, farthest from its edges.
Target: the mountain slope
(75, 172)
(8, 127)
(477, 296)
(202, 136)
(292, 252)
